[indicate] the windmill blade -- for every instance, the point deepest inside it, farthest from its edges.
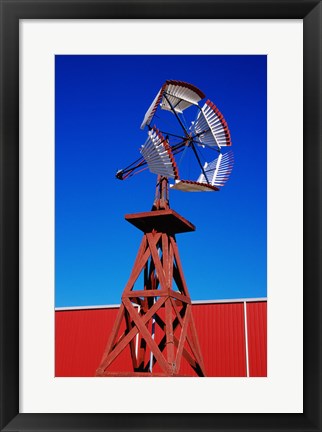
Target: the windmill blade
(210, 127)
(152, 109)
(158, 155)
(180, 95)
(218, 171)
(193, 186)
(173, 95)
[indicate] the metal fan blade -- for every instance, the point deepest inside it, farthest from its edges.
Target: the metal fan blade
(158, 155)
(210, 127)
(152, 109)
(218, 171)
(192, 186)
(179, 96)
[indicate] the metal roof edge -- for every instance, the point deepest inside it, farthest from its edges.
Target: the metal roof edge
(113, 306)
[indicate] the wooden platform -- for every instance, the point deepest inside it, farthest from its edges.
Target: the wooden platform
(167, 221)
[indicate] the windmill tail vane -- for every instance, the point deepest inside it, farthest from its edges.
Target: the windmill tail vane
(209, 131)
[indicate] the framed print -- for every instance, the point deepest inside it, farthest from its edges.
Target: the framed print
(46, 48)
(81, 181)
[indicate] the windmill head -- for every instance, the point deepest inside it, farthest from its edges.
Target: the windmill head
(206, 137)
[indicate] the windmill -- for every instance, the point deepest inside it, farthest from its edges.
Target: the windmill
(185, 151)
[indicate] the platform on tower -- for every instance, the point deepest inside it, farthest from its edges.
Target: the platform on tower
(167, 221)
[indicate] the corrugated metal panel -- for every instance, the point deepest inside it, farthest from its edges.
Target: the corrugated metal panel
(220, 329)
(257, 338)
(81, 337)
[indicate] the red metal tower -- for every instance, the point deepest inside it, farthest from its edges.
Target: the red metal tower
(159, 327)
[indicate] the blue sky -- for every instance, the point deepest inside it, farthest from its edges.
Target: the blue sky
(100, 102)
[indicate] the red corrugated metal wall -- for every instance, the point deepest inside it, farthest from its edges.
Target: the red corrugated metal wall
(220, 329)
(81, 337)
(257, 338)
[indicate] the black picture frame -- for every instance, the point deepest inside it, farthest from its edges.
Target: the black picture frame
(14, 10)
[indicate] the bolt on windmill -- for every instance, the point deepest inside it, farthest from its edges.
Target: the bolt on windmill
(155, 325)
